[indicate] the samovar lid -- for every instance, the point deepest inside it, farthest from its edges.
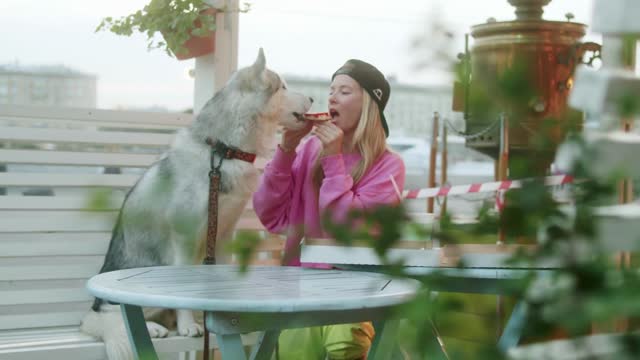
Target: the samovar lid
(572, 29)
(529, 9)
(529, 20)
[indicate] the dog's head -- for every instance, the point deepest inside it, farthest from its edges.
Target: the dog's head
(283, 106)
(251, 106)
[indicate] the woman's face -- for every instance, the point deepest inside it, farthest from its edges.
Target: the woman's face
(345, 102)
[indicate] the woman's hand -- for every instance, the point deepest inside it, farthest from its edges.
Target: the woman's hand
(331, 137)
(291, 138)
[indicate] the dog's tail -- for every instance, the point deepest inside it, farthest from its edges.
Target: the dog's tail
(108, 325)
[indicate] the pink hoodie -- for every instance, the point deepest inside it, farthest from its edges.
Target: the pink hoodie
(286, 197)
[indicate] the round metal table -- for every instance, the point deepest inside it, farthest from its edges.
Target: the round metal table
(265, 298)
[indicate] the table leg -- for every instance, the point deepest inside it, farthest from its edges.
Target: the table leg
(231, 347)
(266, 344)
(513, 330)
(137, 331)
(436, 343)
(385, 342)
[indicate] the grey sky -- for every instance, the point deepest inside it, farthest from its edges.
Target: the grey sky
(301, 37)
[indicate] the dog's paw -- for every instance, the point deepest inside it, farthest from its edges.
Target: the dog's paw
(190, 329)
(156, 330)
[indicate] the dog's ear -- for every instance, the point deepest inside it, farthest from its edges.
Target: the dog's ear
(252, 77)
(260, 64)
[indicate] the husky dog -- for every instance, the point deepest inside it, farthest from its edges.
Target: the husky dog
(163, 220)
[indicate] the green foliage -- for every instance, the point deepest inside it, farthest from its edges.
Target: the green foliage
(100, 199)
(482, 232)
(512, 85)
(174, 19)
(380, 227)
(587, 288)
(243, 247)
(492, 94)
(628, 105)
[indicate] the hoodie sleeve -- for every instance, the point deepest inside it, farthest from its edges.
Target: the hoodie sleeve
(272, 200)
(339, 195)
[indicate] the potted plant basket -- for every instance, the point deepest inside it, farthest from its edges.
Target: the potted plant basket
(187, 27)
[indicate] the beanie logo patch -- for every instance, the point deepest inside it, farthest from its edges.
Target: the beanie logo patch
(377, 93)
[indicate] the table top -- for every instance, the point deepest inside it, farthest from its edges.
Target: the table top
(260, 289)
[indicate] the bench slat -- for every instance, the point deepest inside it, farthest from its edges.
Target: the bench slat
(26, 202)
(42, 221)
(44, 295)
(31, 135)
(45, 319)
(90, 115)
(8, 338)
(54, 244)
(83, 243)
(43, 291)
(57, 221)
(57, 351)
(84, 124)
(40, 157)
(49, 267)
(10, 202)
(58, 314)
(68, 180)
(64, 343)
(80, 159)
(62, 271)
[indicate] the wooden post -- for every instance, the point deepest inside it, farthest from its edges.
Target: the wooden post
(625, 187)
(443, 168)
(503, 162)
(629, 63)
(503, 169)
(213, 70)
(432, 159)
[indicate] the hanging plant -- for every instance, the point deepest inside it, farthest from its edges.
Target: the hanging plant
(176, 20)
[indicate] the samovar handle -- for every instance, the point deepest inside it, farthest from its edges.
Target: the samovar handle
(583, 48)
(574, 56)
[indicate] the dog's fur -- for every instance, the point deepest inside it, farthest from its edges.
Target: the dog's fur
(163, 219)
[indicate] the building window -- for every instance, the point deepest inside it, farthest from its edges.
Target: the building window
(39, 93)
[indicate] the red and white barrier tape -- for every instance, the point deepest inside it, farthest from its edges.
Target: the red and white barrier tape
(480, 188)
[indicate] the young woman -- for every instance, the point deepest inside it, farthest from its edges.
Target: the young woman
(344, 164)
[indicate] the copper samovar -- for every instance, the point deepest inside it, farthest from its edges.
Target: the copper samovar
(521, 71)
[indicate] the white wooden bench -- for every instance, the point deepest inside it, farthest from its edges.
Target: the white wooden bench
(52, 160)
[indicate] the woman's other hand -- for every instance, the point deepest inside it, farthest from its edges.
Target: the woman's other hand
(331, 137)
(291, 138)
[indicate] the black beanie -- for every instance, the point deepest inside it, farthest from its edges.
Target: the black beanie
(372, 80)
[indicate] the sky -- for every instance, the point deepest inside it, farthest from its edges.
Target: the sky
(300, 37)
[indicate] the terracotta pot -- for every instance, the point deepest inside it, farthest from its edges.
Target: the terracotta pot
(199, 45)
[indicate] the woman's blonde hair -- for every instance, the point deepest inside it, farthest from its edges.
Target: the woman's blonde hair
(368, 139)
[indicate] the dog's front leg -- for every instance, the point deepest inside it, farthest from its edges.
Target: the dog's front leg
(182, 255)
(187, 325)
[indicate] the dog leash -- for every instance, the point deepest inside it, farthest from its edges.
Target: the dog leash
(224, 152)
